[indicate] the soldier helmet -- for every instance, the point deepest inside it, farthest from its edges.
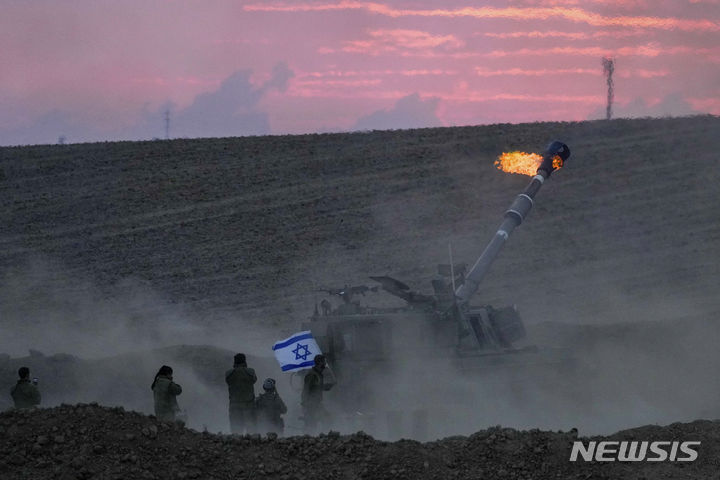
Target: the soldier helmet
(269, 384)
(240, 359)
(23, 372)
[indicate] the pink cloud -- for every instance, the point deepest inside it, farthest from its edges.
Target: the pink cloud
(624, 4)
(482, 72)
(515, 72)
(477, 97)
(374, 73)
(709, 105)
(639, 51)
(317, 92)
(643, 73)
(414, 39)
(397, 40)
(334, 83)
(561, 34)
(577, 15)
(366, 48)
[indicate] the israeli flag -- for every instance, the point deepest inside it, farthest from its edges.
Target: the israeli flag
(297, 352)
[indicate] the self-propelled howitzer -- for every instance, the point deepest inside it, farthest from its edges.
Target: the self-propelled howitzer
(359, 339)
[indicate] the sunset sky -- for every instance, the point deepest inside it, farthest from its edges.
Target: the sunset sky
(94, 70)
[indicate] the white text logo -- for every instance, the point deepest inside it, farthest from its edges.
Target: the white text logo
(626, 451)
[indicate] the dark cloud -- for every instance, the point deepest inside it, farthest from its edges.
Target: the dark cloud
(48, 129)
(281, 75)
(227, 112)
(673, 105)
(231, 110)
(409, 112)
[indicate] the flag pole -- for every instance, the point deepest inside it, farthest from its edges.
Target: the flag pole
(452, 267)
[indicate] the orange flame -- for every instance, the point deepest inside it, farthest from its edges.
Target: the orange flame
(523, 163)
(557, 162)
(519, 162)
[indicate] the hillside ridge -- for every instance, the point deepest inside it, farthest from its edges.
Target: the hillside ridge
(254, 224)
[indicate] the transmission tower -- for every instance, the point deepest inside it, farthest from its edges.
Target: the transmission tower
(608, 70)
(167, 124)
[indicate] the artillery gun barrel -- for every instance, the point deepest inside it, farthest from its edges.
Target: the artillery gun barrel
(553, 158)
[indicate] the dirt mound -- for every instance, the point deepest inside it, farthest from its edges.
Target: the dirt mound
(93, 442)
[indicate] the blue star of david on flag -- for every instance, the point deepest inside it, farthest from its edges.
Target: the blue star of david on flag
(296, 352)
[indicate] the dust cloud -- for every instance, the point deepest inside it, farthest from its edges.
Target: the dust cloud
(47, 308)
(104, 344)
(91, 344)
(603, 379)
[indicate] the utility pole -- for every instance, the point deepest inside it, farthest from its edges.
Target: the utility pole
(608, 70)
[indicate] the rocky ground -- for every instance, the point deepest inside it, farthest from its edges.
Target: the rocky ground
(87, 441)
